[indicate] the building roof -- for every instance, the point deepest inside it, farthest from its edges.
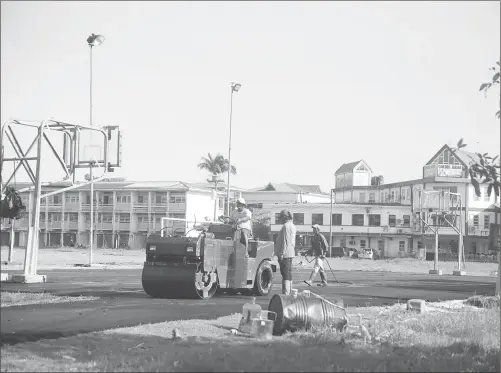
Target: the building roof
(347, 167)
(289, 188)
(463, 156)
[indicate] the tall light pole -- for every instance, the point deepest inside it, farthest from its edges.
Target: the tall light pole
(234, 88)
(93, 41)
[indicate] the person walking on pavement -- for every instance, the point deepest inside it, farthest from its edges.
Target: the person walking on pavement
(319, 247)
(284, 250)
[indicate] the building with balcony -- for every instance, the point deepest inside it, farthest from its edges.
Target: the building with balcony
(125, 213)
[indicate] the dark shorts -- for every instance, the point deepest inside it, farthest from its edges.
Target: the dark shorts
(286, 268)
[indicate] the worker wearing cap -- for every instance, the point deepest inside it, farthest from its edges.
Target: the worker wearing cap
(319, 247)
(284, 250)
(242, 224)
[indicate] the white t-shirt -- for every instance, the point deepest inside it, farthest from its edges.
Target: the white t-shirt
(238, 215)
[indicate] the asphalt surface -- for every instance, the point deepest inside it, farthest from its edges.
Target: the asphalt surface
(123, 303)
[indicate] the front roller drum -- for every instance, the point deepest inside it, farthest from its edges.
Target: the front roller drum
(178, 281)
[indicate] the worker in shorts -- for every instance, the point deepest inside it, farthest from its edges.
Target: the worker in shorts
(284, 250)
(242, 224)
(318, 247)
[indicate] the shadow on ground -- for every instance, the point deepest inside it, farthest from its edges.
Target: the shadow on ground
(129, 352)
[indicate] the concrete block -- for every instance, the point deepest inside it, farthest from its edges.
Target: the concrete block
(5, 277)
(458, 273)
(435, 272)
(29, 279)
(417, 305)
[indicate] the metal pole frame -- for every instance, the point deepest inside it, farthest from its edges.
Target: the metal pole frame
(229, 154)
(330, 228)
(435, 229)
(31, 254)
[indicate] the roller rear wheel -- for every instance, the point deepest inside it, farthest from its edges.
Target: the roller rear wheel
(264, 279)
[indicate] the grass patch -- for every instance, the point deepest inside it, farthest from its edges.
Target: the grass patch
(9, 299)
(483, 301)
(450, 337)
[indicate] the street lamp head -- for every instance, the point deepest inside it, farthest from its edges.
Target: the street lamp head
(235, 87)
(95, 40)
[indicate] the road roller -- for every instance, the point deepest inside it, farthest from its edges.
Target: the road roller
(206, 260)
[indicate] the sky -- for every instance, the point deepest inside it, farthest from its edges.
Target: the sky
(323, 83)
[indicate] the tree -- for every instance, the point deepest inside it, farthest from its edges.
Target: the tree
(216, 166)
(484, 87)
(11, 205)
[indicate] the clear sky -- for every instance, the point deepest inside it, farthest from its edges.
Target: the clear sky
(323, 83)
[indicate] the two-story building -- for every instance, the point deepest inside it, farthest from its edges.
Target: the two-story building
(125, 213)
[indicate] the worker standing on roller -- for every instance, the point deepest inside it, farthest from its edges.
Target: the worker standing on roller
(242, 224)
(319, 247)
(284, 250)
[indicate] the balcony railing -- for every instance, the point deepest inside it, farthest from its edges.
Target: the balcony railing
(181, 207)
(351, 229)
(105, 207)
(121, 206)
(72, 206)
(478, 231)
(140, 206)
(73, 225)
(142, 226)
(159, 206)
(54, 225)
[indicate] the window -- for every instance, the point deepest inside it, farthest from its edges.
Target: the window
(142, 219)
(142, 199)
(419, 245)
(401, 245)
(362, 197)
(407, 220)
(122, 218)
(177, 199)
(357, 219)
(372, 197)
(55, 216)
(403, 194)
(380, 245)
(220, 203)
(72, 198)
(123, 199)
(386, 197)
(391, 220)
(476, 220)
(55, 200)
(475, 197)
(160, 199)
(487, 198)
(374, 220)
(337, 219)
(362, 244)
(487, 221)
(105, 218)
(278, 219)
(71, 217)
(317, 219)
(381, 197)
(177, 215)
(392, 196)
(298, 219)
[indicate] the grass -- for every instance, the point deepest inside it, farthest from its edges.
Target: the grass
(449, 337)
(50, 258)
(9, 299)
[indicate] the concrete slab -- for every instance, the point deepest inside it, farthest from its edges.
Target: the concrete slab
(435, 272)
(29, 279)
(5, 277)
(416, 305)
(459, 273)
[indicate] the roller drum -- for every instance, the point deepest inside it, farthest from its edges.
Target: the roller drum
(304, 312)
(178, 281)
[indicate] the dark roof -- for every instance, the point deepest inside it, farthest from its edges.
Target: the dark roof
(347, 167)
(290, 188)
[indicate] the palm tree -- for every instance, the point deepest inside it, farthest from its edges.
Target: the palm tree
(216, 166)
